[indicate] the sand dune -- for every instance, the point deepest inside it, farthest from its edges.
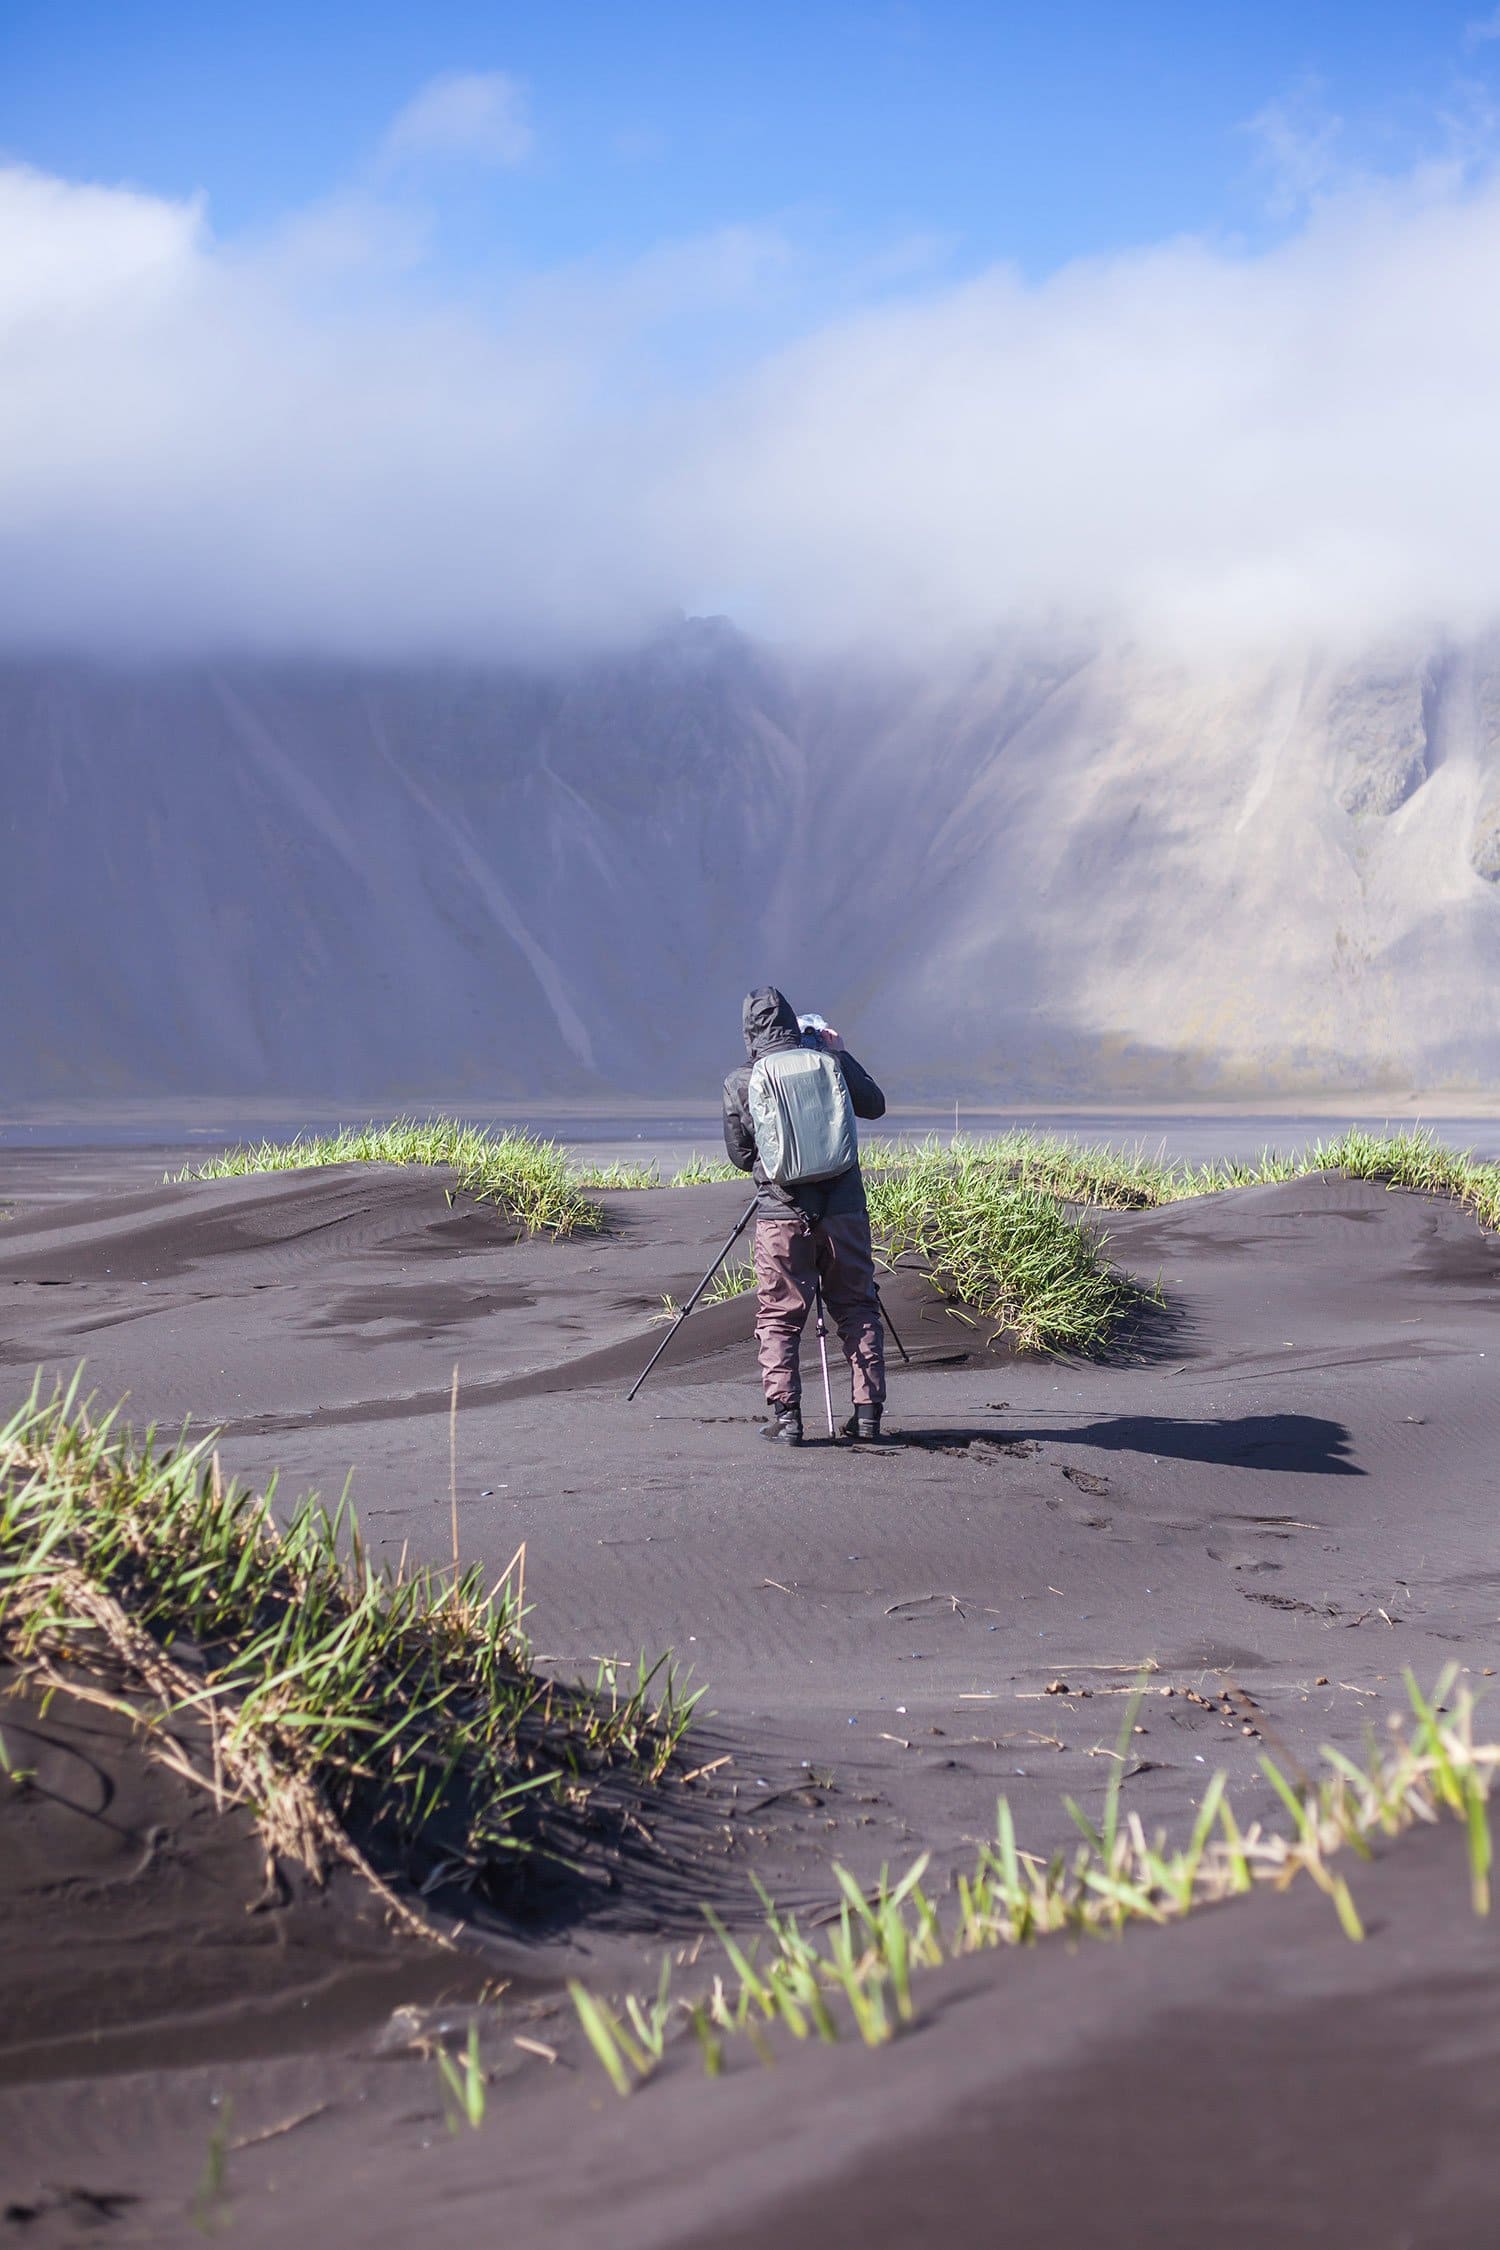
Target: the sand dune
(1289, 1482)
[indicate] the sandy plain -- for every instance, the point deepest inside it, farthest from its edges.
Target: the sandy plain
(1279, 1497)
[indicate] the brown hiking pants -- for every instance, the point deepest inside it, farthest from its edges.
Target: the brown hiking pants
(789, 1255)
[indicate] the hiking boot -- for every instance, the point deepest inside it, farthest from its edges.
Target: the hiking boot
(785, 1426)
(863, 1425)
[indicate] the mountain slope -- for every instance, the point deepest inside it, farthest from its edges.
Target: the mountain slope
(1040, 872)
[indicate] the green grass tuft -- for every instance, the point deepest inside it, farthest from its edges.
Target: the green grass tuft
(529, 1179)
(859, 1969)
(465, 2084)
(1003, 1249)
(704, 1171)
(729, 1282)
(996, 1220)
(335, 1697)
(618, 1174)
(1418, 1161)
(1114, 1179)
(735, 1280)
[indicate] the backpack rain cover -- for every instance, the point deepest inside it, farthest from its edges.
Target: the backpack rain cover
(802, 1116)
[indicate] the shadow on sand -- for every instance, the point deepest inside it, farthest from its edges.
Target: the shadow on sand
(1306, 1444)
(638, 1857)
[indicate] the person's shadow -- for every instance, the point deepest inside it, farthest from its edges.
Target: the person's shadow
(1304, 1444)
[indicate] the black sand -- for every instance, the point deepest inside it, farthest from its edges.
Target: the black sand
(1289, 1484)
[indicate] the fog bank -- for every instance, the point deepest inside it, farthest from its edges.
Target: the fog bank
(308, 442)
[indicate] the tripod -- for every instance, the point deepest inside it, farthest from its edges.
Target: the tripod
(740, 1225)
(822, 1330)
(822, 1324)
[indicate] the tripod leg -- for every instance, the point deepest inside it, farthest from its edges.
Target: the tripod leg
(823, 1350)
(890, 1324)
(745, 1218)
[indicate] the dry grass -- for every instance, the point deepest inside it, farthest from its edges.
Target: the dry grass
(284, 1670)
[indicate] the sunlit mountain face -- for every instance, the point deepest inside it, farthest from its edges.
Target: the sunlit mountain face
(1040, 870)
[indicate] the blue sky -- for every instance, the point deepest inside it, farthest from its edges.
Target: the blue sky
(448, 326)
(1034, 132)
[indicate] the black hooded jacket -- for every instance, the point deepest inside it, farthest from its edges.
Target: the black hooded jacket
(770, 1022)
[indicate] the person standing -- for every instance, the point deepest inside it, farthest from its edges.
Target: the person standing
(807, 1230)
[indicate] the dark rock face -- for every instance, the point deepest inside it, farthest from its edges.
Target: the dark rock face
(1484, 849)
(1038, 872)
(1378, 730)
(1484, 840)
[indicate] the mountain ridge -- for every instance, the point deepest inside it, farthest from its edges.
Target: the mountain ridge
(1039, 871)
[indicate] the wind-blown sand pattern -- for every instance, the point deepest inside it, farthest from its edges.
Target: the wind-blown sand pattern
(1280, 1496)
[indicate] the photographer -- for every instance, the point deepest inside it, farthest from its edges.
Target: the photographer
(809, 1230)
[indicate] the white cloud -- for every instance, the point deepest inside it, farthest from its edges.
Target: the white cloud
(207, 444)
(1482, 30)
(479, 114)
(88, 251)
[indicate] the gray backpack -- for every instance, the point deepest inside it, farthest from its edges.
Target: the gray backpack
(802, 1116)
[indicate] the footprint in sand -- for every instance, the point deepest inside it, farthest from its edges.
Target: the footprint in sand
(1243, 1559)
(1086, 1480)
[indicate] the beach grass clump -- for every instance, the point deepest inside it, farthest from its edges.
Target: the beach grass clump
(731, 1281)
(1108, 1178)
(1006, 1251)
(997, 1222)
(704, 1171)
(618, 1173)
(529, 1179)
(1418, 1161)
(365, 1715)
(736, 1279)
(1068, 1171)
(1090, 1175)
(858, 1969)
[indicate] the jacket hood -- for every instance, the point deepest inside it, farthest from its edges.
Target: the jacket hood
(768, 1021)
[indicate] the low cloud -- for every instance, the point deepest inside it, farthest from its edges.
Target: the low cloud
(478, 114)
(305, 444)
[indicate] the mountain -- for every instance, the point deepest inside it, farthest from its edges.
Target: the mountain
(1043, 871)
